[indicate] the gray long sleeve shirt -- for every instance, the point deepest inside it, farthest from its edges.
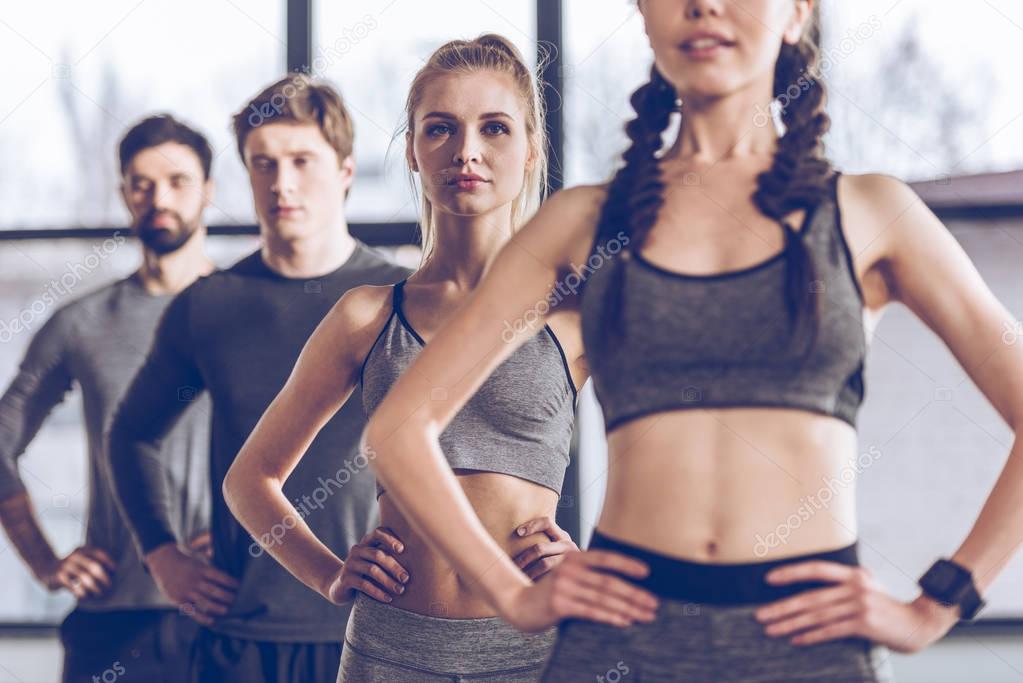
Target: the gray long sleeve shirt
(235, 335)
(99, 341)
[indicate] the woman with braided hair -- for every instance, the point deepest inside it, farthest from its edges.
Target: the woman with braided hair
(731, 283)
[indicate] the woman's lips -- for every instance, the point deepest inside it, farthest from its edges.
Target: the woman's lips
(469, 184)
(705, 46)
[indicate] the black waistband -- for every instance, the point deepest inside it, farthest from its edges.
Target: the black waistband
(718, 584)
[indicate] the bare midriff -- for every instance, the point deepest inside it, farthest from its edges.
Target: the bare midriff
(733, 485)
(503, 503)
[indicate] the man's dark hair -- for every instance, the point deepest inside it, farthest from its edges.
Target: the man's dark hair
(156, 130)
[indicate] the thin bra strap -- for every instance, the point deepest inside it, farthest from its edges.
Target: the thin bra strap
(398, 295)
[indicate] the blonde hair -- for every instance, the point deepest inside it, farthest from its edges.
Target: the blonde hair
(488, 52)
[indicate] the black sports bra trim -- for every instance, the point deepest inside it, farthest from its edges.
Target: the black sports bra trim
(387, 323)
(564, 362)
(396, 309)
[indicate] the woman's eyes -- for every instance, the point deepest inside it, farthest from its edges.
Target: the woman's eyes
(496, 128)
(438, 129)
(489, 129)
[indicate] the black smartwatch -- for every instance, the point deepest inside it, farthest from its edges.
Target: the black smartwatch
(952, 584)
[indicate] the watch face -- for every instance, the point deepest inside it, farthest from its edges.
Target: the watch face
(942, 577)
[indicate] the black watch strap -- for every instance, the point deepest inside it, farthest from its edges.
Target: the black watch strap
(952, 584)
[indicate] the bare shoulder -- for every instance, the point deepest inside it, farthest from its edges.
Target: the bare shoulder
(564, 227)
(877, 211)
(354, 322)
(885, 221)
(875, 192)
(878, 198)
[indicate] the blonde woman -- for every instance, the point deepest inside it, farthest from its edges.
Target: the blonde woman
(476, 138)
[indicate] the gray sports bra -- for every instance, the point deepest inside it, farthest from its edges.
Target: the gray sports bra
(520, 420)
(724, 340)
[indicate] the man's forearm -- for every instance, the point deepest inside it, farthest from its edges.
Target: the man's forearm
(22, 527)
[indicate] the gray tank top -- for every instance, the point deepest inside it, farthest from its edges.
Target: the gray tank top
(520, 420)
(723, 340)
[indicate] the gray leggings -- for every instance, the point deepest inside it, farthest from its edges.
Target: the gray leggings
(699, 643)
(392, 645)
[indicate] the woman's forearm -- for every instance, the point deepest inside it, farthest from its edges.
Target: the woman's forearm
(998, 531)
(411, 464)
(259, 504)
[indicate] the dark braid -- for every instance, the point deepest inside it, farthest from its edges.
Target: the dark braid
(799, 178)
(636, 193)
(799, 175)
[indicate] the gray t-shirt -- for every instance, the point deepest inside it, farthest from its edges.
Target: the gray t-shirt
(100, 341)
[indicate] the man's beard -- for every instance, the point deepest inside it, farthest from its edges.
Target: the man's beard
(164, 240)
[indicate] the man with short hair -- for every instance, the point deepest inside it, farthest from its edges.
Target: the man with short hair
(237, 335)
(122, 626)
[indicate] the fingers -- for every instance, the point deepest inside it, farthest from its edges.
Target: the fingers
(207, 605)
(574, 598)
(613, 590)
(541, 567)
(813, 570)
(371, 589)
(218, 577)
(581, 584)
(358, 567)
(207, 601)
(190, 610)
(592, 612)
(90, 573)
(216, 593)
(382, 537)
(101, 556)
(617, 587)
(201, 540)
(68, 579)
(806, 601)
(824, 615)
(838, 629)
(202, 545)
(541, 550)
(536, 525)
(80, 583)
(384, 561)
(615, 562)
(548, 526)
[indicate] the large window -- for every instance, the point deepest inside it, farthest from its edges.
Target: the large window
(924, 89)
(918, 89)
(72, 87)
(372, 49)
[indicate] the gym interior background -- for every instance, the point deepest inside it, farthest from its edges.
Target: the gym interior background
(926, 90)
